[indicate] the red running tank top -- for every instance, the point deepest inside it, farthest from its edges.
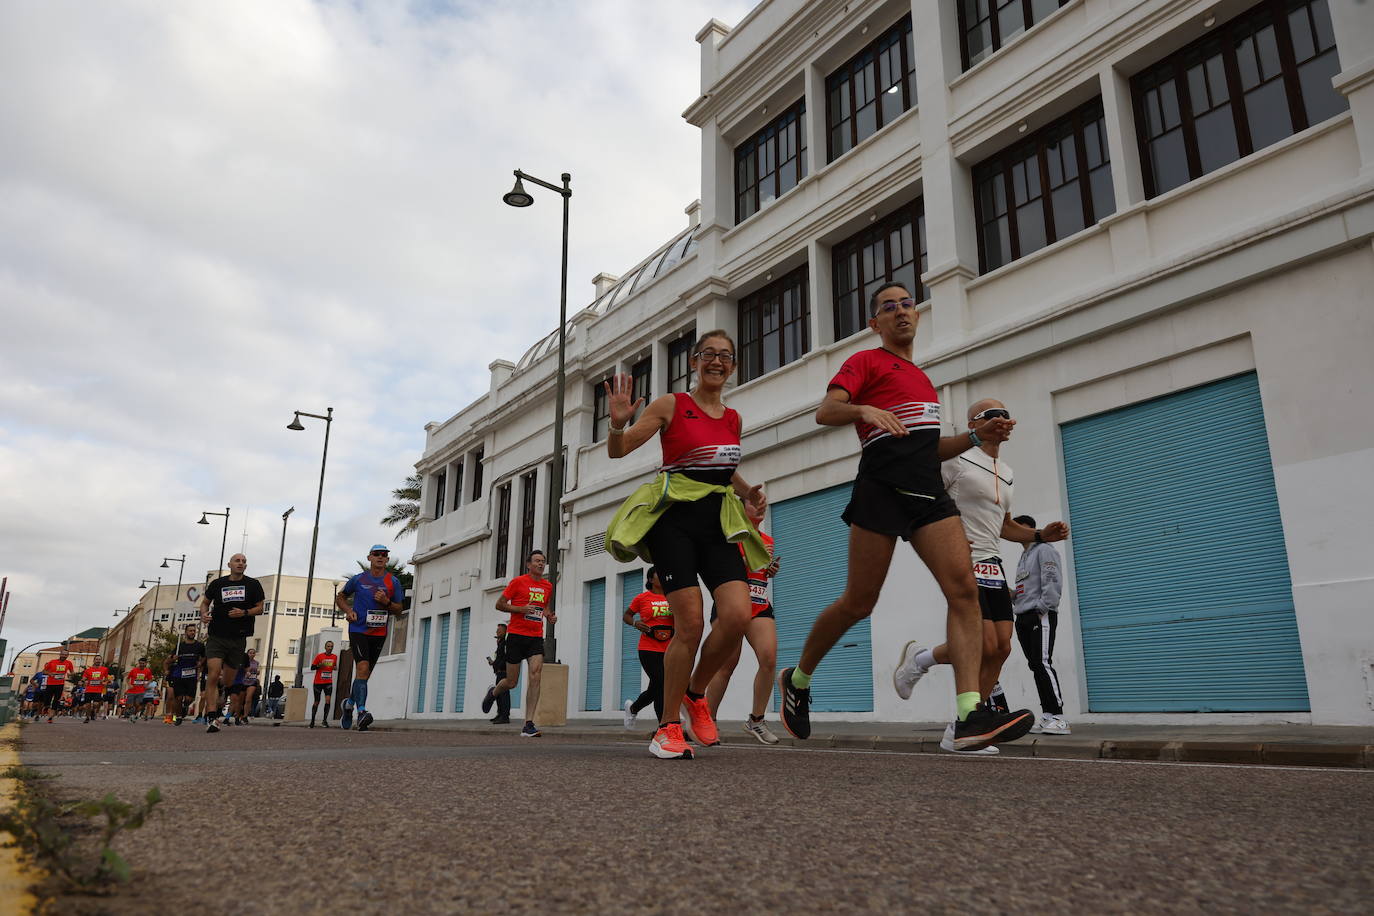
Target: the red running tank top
(698, 444)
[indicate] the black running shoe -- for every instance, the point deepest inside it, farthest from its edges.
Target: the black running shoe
(796, 706)
(985, 726)
(364, 721)
(488, 701)
(211, 728)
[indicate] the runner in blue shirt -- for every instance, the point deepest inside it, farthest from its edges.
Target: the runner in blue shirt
(369, 600)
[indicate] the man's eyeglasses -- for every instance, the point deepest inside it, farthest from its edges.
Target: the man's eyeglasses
(376, 553)
(992, 413)
(896, 304)
(706, 356)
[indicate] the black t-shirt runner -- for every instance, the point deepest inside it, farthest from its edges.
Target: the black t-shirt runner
(185, 662)
(226, 595)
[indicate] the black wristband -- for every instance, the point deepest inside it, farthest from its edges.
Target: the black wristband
(1038, 538)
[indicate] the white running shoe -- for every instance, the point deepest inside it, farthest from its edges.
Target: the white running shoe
(947, 744)
(629, 714)
(1051, 725)
(907, 672)
(760, 730)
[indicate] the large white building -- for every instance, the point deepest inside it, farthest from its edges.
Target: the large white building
(1143, 224)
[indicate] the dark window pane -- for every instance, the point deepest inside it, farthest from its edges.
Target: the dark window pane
(1011, 19)
(1267, 109)
(892, 104)
(1169, 161)
(1030, 227)
(866, 121)
(1067, 204)
(979, 40)
(1318, 95)
(1103, 196)
(787, 176)
(1042, 8)
(1216, 138)
(997, 242)
(1304, 41)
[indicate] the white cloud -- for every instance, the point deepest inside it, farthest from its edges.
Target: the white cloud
(212, 214)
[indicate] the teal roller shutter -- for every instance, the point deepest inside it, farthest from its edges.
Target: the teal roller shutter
(424, 666)
(814, 546)
(1184, 597)
(441, 664)
(596, 643)
(631, 675)
(461, 674)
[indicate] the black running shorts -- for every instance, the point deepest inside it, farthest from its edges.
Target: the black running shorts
(686, 542)
(183, 686)
(994, 599)
(326, 689)
(874, 506)
(366, 648)
(52, 694)
(519, 647)
(766, 612)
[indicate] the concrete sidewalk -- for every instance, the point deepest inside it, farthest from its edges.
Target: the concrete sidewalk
(1276, 745)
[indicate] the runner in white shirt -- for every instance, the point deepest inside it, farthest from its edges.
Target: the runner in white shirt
(980, 484)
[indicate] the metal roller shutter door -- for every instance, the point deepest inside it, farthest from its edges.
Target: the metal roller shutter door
(1184, 597)
(441, 664)
(461, 675)
(596, 644)
(424, 666)
(814, 546)
(631, 674)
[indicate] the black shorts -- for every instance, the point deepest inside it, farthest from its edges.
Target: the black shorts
(237, 688)
(519, 647)
(111, 696)
(51, 695)
(877, 507)
(183, 686)
(996, 603)
(766, 612)
(326, 689)
(686, 542)
(366, 648)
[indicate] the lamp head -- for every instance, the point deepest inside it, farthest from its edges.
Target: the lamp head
(518, 196)
(295, 423)
(164, 565)
(203, 520)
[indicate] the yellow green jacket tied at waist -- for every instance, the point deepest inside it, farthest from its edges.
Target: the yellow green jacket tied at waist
(627, 534)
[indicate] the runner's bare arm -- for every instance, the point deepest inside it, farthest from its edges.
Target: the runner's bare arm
(993, 429)
(752, 496)
(835, 410)
(1015, 531)
(629, 618)
(656, 417)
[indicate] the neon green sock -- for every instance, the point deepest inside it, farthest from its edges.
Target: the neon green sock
(965, 702)
(800, 679)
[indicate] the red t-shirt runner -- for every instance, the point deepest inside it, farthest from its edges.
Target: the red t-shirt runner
(324, 665)
(57, 670)
(533, 595)
(95, 678)
(699, 445)
(882, 379)
(138, 679)
(653, 611)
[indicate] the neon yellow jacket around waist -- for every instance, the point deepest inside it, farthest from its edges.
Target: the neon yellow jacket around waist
(627, 534)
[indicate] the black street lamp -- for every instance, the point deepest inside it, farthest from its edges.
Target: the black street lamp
(276, 597)
(181, 569)
(223, 540)
(152, 616)
(328, 418)
(519, 197)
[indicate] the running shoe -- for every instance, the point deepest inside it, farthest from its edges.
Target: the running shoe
(364, 721)
(530, 731)
(986, 726)
(907, 672)
(324, 723)
(489, 700)
(668, 743)
(703, 726)
(346, 720)
(1051, 725)
(166, 720)
(629, 714)
(796, 706)
(212, 728)
(501, 720)
(760, 730)
(177, 720)
(312, 724)
(947, 744)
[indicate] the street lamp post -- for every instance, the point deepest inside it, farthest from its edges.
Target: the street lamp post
(152, 616)
(180, 569)
(328, 418)
(223, 540)
(276, 596)
(519, 197)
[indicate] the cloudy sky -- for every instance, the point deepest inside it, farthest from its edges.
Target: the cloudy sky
(215, 213)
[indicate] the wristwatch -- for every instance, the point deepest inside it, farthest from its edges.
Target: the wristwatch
(973, 437)
(1038, 538)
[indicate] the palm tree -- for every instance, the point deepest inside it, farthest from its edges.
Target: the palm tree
(404, 514)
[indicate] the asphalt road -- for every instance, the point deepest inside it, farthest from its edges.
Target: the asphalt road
(288, 820)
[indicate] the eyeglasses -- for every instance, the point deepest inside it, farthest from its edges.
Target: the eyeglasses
(896, 304)
(992, 413)
(706, 356)
(378, 553)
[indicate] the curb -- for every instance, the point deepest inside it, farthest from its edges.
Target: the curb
(16, 875)
(1322, 756)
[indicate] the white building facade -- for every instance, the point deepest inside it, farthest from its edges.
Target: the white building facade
(1145, 225)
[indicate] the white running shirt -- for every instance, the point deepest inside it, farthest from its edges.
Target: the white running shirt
(980, 486)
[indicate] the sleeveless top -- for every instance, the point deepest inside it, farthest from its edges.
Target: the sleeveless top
(698, 445)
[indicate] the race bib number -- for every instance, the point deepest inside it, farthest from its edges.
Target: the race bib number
(535, 613)
(376, 618)
(758, 593)
(233, 593)
(989, 575)
(188, 672)
(327, 675)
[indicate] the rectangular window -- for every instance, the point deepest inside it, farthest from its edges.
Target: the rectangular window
(986, 25)
(1045, 188)
(291, 648)
(502, 529)
(679, 354)
(458, 483)
(527, 491)
(770, 163)
(870, 89)
(892, 250)
(477, 472)
(440, 479)
(774, 325)
(601, 409)
(1249, 83)
(641, 378)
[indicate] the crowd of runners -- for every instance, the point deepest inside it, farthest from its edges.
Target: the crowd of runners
(700, 521)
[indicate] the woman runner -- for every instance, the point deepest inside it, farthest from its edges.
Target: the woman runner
(656, 629)
(687, 523)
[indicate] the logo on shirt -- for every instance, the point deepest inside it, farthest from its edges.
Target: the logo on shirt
(690, 415)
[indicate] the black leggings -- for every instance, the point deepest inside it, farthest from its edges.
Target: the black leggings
(652, 663)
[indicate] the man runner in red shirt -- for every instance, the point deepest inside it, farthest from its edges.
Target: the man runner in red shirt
(526, 599)
(139, 677)
(55, 681)
(93, 680)
(324, 664)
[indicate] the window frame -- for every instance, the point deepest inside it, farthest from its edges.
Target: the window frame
(771, 135)
(881, 231)
(641, 383)
(601, 408)
(503, 496)
(1222, 40)
(529, 489)
(995, 29)
(477, 455)
(680, 347)
(750, 351)
(458, 483)
(847, 72)
(440, 492)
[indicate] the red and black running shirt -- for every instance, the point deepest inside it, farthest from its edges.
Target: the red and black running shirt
(699, 445)
(882, 379)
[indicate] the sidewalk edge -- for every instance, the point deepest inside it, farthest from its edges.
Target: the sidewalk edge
(16, 875)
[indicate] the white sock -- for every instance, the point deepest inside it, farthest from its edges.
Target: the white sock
(925, 658)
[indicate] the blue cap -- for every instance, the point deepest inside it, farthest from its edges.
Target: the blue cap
(377, 547)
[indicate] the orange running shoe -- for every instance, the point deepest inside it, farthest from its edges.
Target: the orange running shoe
(703, 727)
(166, 720)
(668, 743)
